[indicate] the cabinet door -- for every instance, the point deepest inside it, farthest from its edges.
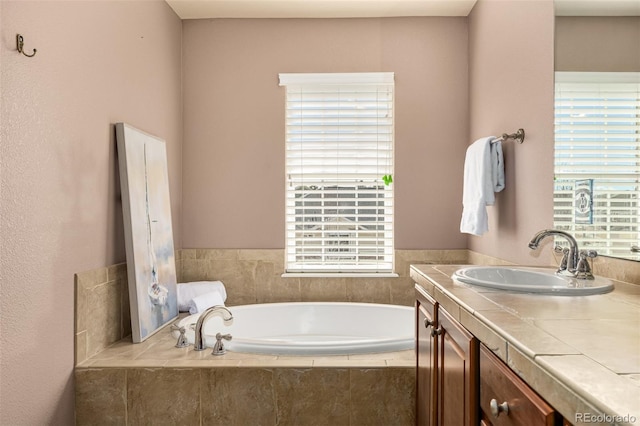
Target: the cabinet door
(458, 373)
(514, 402)
(426, 309)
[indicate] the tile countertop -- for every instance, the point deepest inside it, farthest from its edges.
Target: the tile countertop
(582, 354)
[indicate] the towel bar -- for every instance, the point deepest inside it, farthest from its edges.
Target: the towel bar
(517, 136)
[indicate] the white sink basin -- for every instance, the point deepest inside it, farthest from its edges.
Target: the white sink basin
(531, 280)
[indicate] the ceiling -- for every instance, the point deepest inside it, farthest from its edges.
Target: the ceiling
(203, 9)
(197, 9)
(597, 7)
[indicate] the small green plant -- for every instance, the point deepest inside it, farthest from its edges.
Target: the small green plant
(387, 179)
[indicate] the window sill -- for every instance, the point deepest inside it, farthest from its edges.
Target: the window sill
(339, 275)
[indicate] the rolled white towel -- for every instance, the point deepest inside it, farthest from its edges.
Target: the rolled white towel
(187, 291)
(204, 301)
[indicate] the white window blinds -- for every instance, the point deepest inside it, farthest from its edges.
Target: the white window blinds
(339, 151)
(597, 147)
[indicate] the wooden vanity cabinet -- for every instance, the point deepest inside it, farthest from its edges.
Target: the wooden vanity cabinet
(447, 370)
(458, 379)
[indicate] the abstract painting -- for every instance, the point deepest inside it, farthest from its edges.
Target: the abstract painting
(146, 207)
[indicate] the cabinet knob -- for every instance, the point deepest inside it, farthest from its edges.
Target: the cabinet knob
(496, 408)
(436, 331)
(427, 323)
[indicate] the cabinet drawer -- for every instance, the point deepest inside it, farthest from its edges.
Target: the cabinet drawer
(500, 384)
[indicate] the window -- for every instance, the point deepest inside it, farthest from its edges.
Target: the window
(597, 159)
(339, 163)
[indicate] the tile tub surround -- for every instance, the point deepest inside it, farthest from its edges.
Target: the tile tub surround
(255, 276)
(250, 276)
(155, 383)
(582, 354)
(102, 315)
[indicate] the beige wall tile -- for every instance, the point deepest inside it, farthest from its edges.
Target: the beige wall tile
(405, 258)
(348, 363)
(402, 292)
(369, 290)
(239, 278)
(80, 343)
(85, 283)
(299, 402)
(117, 272)
(275, 256)
(196, 270)
(188, 253)
(238, 397)
(104, 316)
(80, 305)
(217, 254)
(92, 278)
(323, 289)
(100, 396)
(476, 258)
(163, 396)
(618, 269)
(383, 396)
(275, 289)
(282, 362)
(125, 309)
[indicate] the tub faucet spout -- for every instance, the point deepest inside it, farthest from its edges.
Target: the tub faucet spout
(199, 338)
(569, 263)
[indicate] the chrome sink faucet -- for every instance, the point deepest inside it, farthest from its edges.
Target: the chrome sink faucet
(574, 262)
(199, 338)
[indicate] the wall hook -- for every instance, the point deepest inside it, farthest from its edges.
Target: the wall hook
(20, 46)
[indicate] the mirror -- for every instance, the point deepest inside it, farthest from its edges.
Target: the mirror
(597, 45)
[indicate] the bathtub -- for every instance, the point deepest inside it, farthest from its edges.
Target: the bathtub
(311, 328)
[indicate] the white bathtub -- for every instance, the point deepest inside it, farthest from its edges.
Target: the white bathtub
(309, 328)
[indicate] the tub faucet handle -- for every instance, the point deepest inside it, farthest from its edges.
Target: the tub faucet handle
(182, 339)
(218, 348)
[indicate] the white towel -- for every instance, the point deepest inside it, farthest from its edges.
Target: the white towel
(497, 166)
(483, 176)
(204, 301)
(187, 291)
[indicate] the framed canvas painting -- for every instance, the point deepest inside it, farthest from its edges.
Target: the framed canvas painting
(151, 268)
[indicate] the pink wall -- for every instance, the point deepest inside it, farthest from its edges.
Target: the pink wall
(98, 62)
(511, 87)
(233, 195)
(597, 43)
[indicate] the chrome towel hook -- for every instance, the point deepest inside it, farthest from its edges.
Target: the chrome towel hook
(20, 46)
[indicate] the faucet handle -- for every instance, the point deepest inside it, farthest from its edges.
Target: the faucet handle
(182, 339)
(583, 269)
(218, 348)
(562, 269)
